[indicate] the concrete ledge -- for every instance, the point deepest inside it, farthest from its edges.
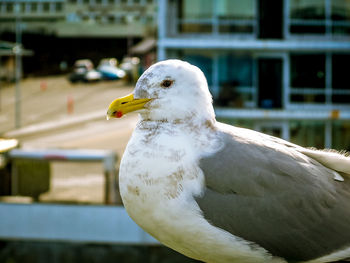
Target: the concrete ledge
(72, 223)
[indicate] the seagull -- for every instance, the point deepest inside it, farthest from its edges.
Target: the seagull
(222, 194)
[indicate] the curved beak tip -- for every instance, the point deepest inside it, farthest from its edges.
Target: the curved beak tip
(115, 114)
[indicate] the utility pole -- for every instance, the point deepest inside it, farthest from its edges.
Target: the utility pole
(0, 88)
(18, 54)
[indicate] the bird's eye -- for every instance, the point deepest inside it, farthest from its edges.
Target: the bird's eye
(167, 83)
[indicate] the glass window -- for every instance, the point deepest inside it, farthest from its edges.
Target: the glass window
(111, 19)
(307, 133)
(271, 20)
(22, 7)
(196, 9)
(236, 16)
(236, 9)
(340, 71)
(341, 135)
(59, 7)
(307, 78)
(222, 16)
(33, 7)
(188, 27)
(98, 19)
(149, 19)
(235, 28)
(307, 16)
(235, 81)
(340, 79)
(340, 16)
(340, 10)
(269, 78)
(307, 9)
(196, 16)
(46, 7)
(307, 71)
(307, 98)
(300, 28)
(315, 17)
(308, 74)
(341, 29)
(10, 7)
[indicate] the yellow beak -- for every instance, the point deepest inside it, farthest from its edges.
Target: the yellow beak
(126, 104)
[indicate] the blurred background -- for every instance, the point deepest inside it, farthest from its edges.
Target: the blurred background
(280, 67)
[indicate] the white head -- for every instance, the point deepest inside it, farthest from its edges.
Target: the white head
(171, 90)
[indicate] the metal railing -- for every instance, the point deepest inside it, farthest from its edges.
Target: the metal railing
(109, 159)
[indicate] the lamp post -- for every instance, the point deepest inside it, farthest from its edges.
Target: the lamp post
(18, 53)
(0, 87)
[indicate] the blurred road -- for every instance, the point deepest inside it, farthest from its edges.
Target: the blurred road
(57, 114)
(49, 123)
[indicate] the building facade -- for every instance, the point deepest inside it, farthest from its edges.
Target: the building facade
(80, 18)
(279, 69)
(62, 31)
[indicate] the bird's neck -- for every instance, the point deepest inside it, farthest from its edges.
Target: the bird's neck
(201, 135)
(183, 123)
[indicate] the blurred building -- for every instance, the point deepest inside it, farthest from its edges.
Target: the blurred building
(80, 18)
(280, 67)
(66, 30)
(7, 59)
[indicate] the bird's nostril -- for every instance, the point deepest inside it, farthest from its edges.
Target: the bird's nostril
(123, 102)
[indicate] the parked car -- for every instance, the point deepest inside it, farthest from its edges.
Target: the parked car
(109, 70)
(84, 71)
(131, 66)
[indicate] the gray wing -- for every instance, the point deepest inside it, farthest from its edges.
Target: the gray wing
(263, 190)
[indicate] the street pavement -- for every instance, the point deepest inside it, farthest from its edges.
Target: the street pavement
(58, 114)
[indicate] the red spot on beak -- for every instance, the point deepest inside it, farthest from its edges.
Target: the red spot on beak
(118, 114)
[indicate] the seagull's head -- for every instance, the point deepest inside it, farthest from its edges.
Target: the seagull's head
(170, 90)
